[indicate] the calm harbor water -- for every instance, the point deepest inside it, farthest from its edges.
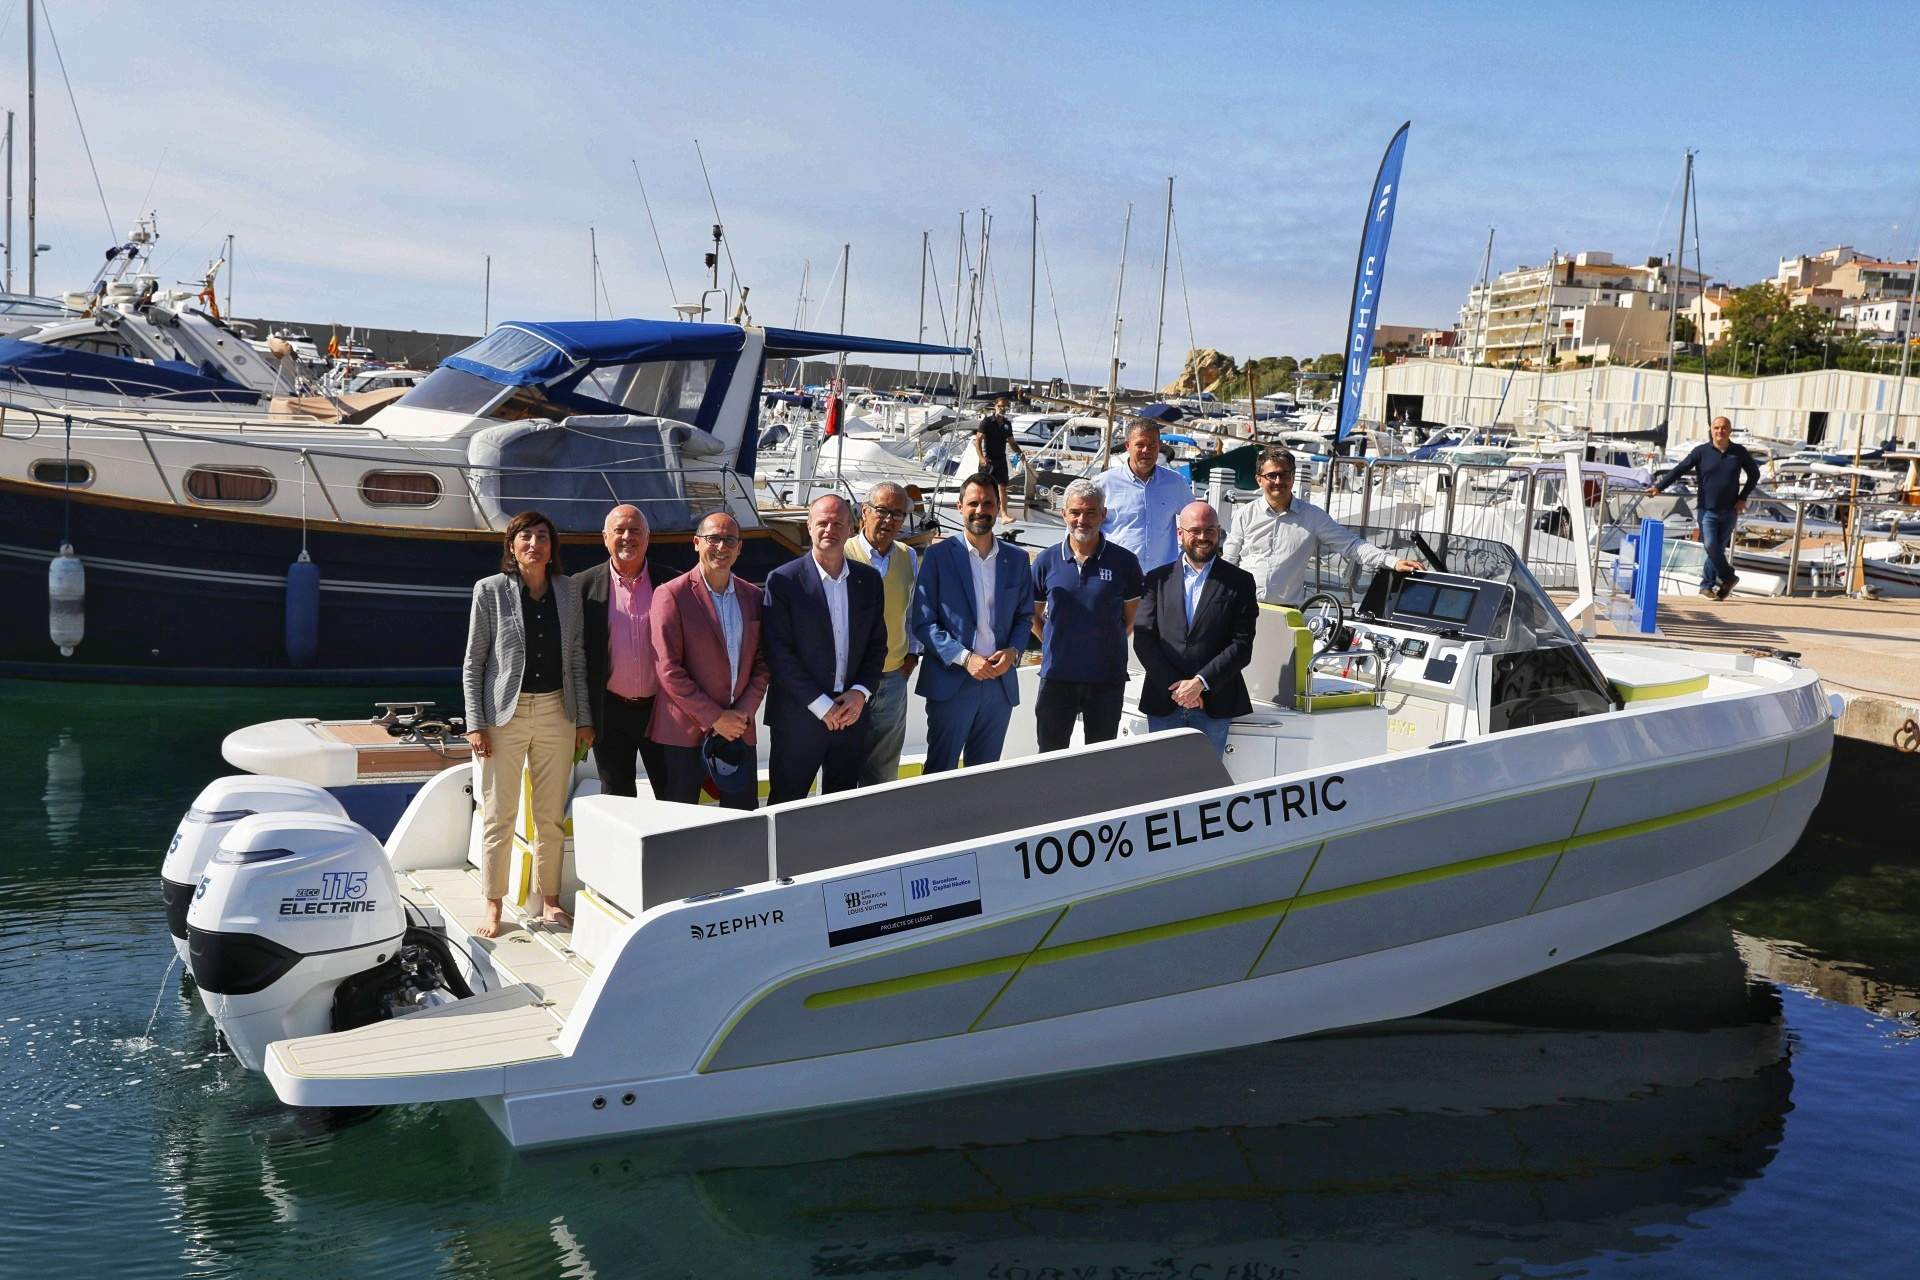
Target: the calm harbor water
(1734, 1096)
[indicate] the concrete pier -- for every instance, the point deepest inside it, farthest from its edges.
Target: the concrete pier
(1867, 651)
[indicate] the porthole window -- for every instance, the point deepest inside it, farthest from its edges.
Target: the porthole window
(78, 475)
(230, 484)
(400, 488)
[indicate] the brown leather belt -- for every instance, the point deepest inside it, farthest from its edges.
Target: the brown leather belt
(631, 702)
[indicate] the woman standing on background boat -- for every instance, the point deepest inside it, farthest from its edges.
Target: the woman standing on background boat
(526, 695)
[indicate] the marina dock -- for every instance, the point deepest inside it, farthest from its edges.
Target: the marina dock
(1867, 651)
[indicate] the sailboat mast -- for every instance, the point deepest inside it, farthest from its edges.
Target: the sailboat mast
(1906, 360)
(840, 368)
(1473, 368)
(486, 300)
(959, 261)
(1160, 325)
(1546, 334)
(229, 266)
(9, 202)
(33, 231)
(1673, 290)
(1033, 280)
(977, 366)
(921, 333)
(593, 271)
(1113, 364)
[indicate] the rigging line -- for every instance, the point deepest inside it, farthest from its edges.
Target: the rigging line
(993, 283)
(826, 294)
(113, 231)
(1706, 375)
(1655, 250)
(1186, 298)
(156, 174)
(600, 274)
(1054, 302)
(673, 294)
(178, 245)
(933, 277)
(726, 243)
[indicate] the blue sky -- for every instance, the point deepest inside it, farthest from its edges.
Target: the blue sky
(367, 157)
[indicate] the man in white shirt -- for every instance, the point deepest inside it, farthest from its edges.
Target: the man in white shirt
(826, 639)
(1277, 539)
(1143, 499)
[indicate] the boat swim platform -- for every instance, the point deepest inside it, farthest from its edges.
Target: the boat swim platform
(1867, 651)
(537, 978)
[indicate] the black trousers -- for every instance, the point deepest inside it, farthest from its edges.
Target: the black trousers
(618, 738)
(1062, 701)
(686, 772)
(803, 746)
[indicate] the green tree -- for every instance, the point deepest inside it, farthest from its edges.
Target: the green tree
(1763, 318)
(1684, 330)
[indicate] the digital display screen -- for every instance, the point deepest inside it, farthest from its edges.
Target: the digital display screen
(1434, 600)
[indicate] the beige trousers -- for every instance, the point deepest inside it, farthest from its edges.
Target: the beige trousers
(539, 737)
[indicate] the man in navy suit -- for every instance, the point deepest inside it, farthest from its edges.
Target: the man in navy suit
(825, 629)
(1194, 634)
(972, 611)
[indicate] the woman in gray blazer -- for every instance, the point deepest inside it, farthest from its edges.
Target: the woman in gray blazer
(525, 679)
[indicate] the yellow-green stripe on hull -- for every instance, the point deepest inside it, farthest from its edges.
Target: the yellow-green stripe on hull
(1267, 910)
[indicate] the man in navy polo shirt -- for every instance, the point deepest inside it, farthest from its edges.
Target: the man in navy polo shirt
(1085, 593)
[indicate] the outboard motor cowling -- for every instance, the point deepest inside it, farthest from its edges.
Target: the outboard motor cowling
(289, 907)
(220, 804)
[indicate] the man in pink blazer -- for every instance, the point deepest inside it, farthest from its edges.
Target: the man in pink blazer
(706, 645)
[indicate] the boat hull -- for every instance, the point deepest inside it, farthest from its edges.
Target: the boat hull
(192, 595)
(1379, 889)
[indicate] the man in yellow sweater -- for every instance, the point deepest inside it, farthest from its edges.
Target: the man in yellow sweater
(877, 544)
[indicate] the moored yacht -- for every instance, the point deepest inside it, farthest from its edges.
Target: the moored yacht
(229, 547)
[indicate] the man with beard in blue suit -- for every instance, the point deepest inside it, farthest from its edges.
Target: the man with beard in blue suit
(825, 626)
(972, 611)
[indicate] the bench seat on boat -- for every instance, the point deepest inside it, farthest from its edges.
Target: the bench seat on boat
(637, 852)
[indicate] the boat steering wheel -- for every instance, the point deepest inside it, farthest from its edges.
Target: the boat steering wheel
(1326, 617)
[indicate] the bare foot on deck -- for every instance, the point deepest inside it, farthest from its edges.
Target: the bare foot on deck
(489, 926)
(553, 914)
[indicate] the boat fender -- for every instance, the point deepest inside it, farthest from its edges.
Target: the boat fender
(303, 611)
(66, 600)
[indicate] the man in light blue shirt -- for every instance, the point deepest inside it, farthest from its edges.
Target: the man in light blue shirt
(1144, 499)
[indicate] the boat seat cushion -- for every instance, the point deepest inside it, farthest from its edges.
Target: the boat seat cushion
(823, 832)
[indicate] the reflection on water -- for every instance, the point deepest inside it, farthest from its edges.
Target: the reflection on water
(1593, 1117)
(66, 775)
(1587, 1111)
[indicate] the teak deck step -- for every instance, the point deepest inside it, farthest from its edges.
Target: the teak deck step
(438, 1055)
(538, 955)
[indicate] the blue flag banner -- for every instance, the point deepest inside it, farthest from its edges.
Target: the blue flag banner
(1364, 316)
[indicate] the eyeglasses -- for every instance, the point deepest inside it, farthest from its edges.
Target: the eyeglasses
(1276, 477)
(888, 513)
(1205, 531)
(718, 539)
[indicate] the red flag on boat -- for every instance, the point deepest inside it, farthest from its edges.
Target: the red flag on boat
(834, 409)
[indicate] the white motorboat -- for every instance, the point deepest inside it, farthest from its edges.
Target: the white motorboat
(1454, 793)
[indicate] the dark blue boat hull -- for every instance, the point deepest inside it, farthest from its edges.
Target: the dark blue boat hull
(189, 595)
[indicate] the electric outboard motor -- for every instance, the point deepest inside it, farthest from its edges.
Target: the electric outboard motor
(291, 907)
(220, 804)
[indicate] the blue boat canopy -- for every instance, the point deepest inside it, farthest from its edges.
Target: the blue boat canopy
(525, 353)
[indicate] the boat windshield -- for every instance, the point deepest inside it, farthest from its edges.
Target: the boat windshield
(1533, 621)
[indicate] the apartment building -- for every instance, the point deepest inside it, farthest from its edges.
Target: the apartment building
(1583, 305)
(1708, 311)
(1844, 272)
(1877, 319)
